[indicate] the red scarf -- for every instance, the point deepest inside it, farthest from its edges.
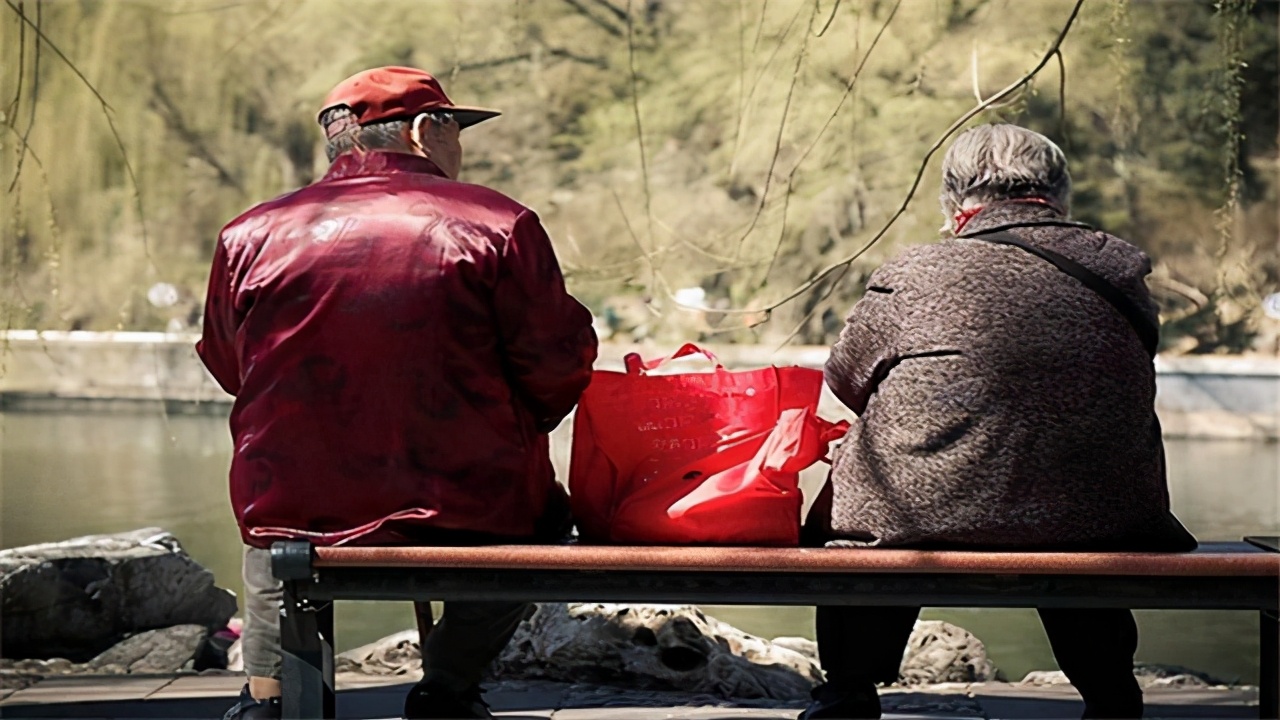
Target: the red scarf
(963, 217)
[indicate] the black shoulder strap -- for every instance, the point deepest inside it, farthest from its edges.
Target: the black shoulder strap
(1148, 332)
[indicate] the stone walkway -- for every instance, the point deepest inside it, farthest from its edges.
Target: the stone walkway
(370, 697)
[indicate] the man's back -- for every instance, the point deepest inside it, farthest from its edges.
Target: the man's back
(397, 343)
(1011, 405)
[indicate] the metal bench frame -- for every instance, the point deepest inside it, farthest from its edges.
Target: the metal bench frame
(1218, 576)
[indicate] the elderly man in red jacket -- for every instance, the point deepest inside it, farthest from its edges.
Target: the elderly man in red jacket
(399, 344)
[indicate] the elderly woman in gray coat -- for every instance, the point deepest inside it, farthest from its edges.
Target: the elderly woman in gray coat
(1005, 389)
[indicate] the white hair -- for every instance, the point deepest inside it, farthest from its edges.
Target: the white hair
(345, 134)
(999, 161)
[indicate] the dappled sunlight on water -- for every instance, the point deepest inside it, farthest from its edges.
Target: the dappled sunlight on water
(63, 475)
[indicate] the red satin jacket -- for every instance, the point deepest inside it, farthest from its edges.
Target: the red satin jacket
(399, 345)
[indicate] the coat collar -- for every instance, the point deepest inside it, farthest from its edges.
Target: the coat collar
(380, 162)
(1010, 212)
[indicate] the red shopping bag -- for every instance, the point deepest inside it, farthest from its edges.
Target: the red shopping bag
(695, 458)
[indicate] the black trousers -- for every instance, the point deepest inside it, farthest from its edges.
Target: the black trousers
(863, 646)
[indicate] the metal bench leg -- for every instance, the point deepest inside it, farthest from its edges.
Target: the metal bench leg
(1269, 667)
(306, 635)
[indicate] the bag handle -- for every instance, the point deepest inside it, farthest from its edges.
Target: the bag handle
(637, 366)
(1147, 331)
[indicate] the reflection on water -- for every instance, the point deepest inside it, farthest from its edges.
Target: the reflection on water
(63, 475)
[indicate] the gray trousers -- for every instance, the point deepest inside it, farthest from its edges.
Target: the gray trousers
(466, 639)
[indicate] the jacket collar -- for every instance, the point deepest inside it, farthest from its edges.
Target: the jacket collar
(380, 162)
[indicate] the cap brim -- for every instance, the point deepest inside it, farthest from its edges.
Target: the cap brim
(467, 117)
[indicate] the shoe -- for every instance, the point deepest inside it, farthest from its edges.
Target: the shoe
(831, 704)
(249, 709)
(432, 700)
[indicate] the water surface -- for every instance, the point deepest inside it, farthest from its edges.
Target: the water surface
(63, 475)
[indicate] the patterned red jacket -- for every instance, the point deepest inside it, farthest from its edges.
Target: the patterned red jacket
(399, 345)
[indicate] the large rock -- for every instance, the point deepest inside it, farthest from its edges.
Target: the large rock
(659, 647)
(652, 648)
(171, 650)
(168, 651)
(397, 654)
(939, 652)
(78, 598)
(675, 648)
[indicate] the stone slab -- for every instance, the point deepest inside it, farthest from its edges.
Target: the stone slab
(678, 713)
(386, 699)
(200, 686)
(358, 681)
(1015, 701)
(522, 704)
(209, 695)
(87, 689)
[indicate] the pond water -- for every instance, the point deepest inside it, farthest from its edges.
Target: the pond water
(64, 475)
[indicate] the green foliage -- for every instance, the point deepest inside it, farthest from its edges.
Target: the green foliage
(758, 170)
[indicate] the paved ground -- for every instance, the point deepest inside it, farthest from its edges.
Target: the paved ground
(208, 696)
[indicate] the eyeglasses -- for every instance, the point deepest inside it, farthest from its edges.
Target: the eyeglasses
(440, 118)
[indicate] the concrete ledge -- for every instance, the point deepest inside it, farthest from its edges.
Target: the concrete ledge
(207, 696)
(1197, 396)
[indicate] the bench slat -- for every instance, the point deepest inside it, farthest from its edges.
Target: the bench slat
(1210, 560)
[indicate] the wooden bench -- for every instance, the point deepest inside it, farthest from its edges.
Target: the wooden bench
(1217, 576)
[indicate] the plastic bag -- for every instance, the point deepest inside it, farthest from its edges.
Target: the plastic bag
(696, 458)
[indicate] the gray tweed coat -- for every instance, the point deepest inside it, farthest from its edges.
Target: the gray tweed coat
(1001, 402)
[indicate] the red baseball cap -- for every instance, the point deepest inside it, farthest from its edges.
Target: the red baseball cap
(391, 93)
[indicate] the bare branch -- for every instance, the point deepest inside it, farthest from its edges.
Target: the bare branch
(40, 33)
(30, 150)
(635, 107)
(973, 72)
(1197, 298)
(560, 53)
(977, 91)
(608, 27)
(844, 263)
(600, 62)
(173, 119)
(826, 26)
(107, 113)
(835, 283)
(35, 95)
(200, 11)
(777, 142)
(614, 10)
(12, 113)
(764, 11)
(271, 13)
(1062, 98)
(755, 84)
(654, 277)
(848, 90)
(742, 76)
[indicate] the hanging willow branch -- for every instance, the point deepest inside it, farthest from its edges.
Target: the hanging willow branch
(35, 93)
(844, 97)
(1230, 18)
(842, 266)
(107, 112)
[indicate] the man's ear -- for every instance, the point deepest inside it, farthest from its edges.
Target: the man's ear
(417, 140)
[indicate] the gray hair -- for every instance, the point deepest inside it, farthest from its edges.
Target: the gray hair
(999, 161)
(347, 135)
